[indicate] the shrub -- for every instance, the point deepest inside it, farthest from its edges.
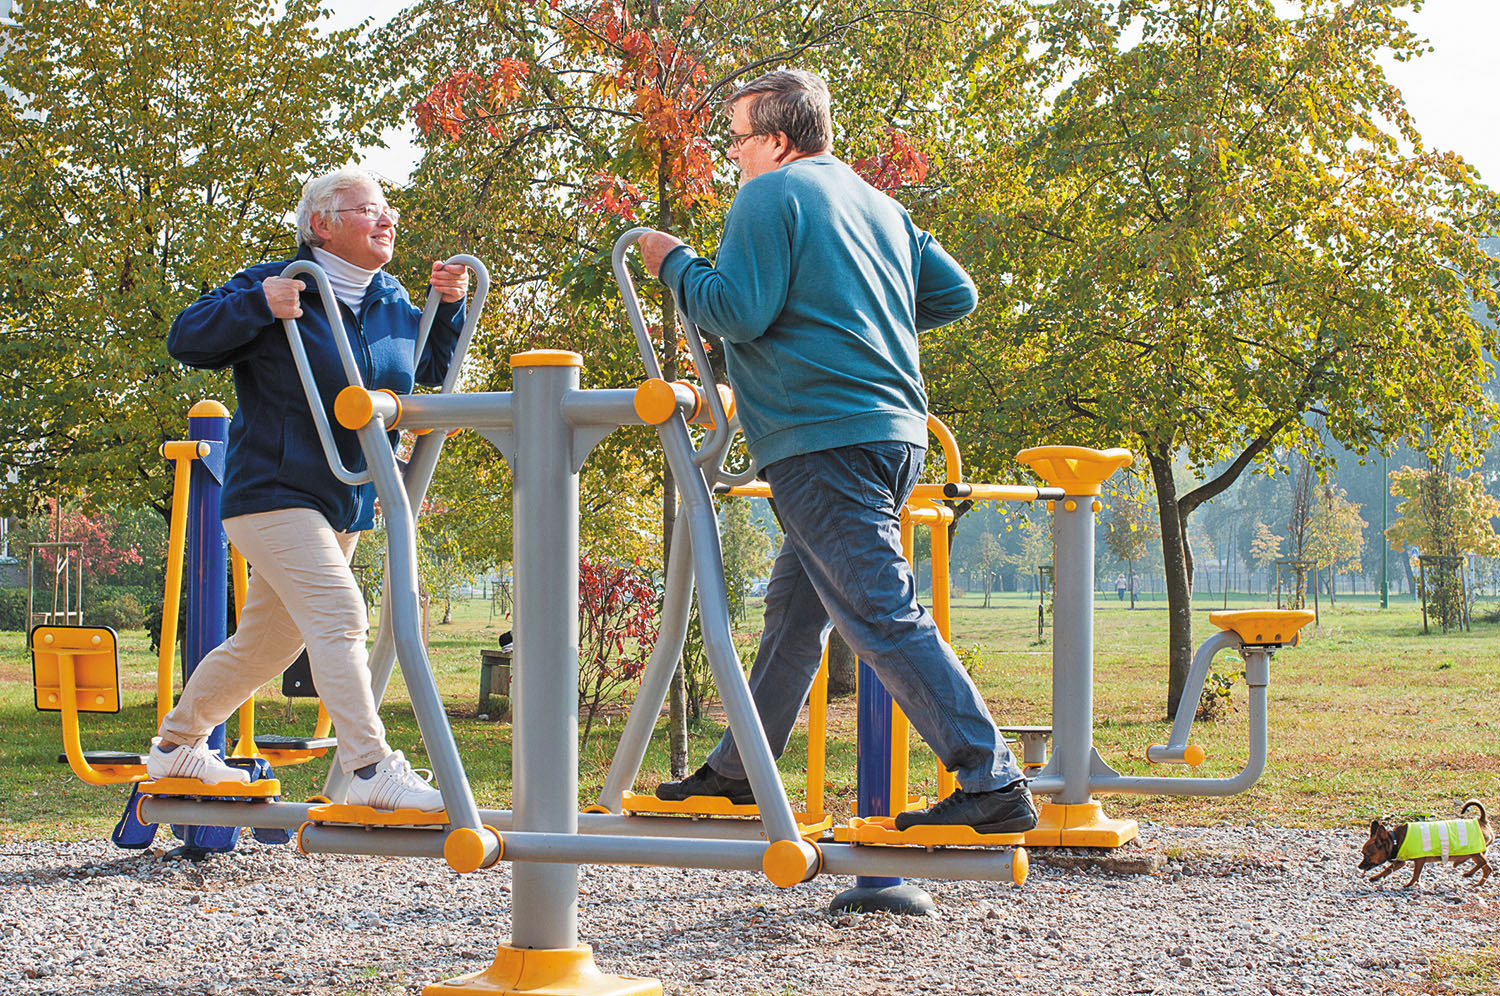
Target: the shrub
(122, 613)
(13, 610)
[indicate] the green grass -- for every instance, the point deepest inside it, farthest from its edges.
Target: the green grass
(1369, 718)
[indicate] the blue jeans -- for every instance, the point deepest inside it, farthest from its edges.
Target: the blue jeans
(841, 565)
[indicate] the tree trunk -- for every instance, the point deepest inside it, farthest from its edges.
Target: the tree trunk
(842, 666)
(1177, 561)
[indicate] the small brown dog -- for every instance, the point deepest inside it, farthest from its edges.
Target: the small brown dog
(1457, 841)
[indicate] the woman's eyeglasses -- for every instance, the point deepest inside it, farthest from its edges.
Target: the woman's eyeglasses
(374, 212)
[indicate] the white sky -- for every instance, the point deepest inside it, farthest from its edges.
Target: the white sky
(1450, 91)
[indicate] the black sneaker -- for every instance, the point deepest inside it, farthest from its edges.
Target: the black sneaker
(1007, 810)
(707, 781)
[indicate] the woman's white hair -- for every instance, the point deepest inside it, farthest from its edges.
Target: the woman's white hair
(320, 195)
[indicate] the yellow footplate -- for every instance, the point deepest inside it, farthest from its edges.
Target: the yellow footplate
(808, 824)
(193, 788)
(882, 830)
(365, 816)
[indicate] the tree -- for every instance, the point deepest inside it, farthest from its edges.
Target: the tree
(1338, 537)
(151, 150)
(565, 121)
(747, 551)
(1265, 549)
(1129, 531)
(1215, 232)
(1443, 515)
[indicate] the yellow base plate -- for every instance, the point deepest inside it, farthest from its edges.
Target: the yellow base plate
(263, 789)
(1079, 825)
(548, 972)
(882, 830)
(365, 816)
(808, 824)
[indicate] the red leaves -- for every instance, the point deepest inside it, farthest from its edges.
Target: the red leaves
(466, 96)
(899, 164)
(614, 195)
(616, 630)
(640, 70)
(95, 534)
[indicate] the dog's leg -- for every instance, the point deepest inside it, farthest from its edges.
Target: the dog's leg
(1388, 869)
(1416, 871)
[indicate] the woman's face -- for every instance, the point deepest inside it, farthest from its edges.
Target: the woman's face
(361, 240)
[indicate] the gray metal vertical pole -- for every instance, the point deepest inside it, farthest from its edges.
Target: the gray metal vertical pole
(544, 682)
(1073, 645)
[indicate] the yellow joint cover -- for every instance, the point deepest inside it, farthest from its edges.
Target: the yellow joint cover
(546, 358)
(655, 401)
(726, 398)
(1020, 866)
(208, 408)
(1193, 754)
(1078, 470)
(355, 406)
(787, 862)
(464, 849)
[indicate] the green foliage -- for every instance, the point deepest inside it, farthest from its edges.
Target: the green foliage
(1214, 231)
(13, 610)
(120, 613)
(151, 151)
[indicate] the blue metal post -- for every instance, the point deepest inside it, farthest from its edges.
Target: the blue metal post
(873, 790)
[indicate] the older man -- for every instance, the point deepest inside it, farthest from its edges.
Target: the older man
(819, 289)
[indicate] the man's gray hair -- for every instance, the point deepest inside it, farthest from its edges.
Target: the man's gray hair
(792, 101)
(320, 195)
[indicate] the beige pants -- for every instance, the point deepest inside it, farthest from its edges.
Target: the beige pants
(301, 592)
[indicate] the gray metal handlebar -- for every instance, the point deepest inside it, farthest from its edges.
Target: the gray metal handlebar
(304, 368)
(716, 443)
(346, 352)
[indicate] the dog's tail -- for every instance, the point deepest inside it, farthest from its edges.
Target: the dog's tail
(1477, 805)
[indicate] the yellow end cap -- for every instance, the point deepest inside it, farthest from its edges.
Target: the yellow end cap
(595, 809)
(208, 408)
(726, 398)
(787, 862)
(655, 401)
(1020, 866)
(1078, 470)
(546, 358)
(353, 407)
(1193, 755)
(464, 848)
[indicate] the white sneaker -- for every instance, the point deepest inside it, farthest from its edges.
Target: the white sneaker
(395, 785)
(198, 763)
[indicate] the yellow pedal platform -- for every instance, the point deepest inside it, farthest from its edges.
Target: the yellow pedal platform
(365, 816)
(1079, 825)
(191, 787)
(882, 830)
(808, 825)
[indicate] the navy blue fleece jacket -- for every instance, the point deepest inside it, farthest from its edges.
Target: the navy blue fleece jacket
(275, 460)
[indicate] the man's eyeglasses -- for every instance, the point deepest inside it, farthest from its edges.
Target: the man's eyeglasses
(735, 141)
(374, 212)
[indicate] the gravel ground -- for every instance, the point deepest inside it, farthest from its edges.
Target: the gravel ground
(1234, 910)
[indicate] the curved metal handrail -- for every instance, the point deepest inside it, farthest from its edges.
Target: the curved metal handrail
(715, 443)
(304, 368)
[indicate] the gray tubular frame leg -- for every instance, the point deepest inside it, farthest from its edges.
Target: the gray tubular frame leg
(414, 483)
(1072, 652)
(657, 679)
(718, 641)
(1192, 691)
(406, 624)
(544, 686)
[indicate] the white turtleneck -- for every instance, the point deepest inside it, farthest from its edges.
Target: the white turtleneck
(349, 281)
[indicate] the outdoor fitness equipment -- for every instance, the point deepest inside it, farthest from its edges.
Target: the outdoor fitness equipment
(1074, 477)
(545, 427)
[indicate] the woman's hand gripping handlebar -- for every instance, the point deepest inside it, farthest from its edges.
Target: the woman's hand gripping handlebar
(346, 351)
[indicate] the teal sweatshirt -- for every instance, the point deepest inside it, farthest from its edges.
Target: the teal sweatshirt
(819, 288)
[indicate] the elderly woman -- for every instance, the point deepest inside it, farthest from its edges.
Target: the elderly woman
(283, 509)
